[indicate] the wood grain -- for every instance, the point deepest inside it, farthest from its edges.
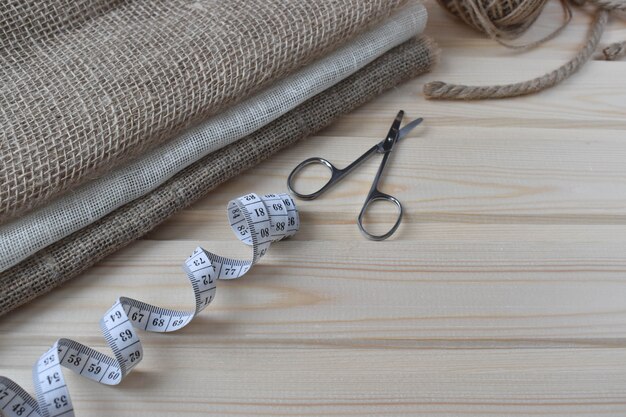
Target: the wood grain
(503, 292)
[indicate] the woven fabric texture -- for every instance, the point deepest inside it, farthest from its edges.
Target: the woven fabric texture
(89, 84)
(84, 205)
(71, 256)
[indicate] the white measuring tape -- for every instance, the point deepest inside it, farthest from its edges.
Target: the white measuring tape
(257, 221)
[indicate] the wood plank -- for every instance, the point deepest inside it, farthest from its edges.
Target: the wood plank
(195, 377)
(472, 175)
(499, 293)
(591, 100)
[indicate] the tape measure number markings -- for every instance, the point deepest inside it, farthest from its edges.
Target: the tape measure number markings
(256, 221)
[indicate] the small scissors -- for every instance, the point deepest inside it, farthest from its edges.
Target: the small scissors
(383, 147)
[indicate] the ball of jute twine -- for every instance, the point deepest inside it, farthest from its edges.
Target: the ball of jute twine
(505, 20)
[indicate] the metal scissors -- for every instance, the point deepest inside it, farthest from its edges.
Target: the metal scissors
(383, 147)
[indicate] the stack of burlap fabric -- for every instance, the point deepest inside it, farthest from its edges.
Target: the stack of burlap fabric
(117, 114)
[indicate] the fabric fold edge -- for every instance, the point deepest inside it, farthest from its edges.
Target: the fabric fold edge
(92, 201)
(67, 258)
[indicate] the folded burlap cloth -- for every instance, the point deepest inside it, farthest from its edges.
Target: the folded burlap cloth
(86, 85)
(69, 257)
(89, 202)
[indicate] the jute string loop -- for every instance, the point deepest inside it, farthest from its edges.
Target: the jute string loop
(614, 51)
(508, 19)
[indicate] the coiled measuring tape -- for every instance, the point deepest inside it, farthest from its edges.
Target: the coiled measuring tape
(257, 221)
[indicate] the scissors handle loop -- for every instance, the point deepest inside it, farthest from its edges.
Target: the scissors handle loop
(335, 175)
(376, 195)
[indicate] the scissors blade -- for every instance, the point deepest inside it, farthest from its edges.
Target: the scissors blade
(408, 127)
(387, 144)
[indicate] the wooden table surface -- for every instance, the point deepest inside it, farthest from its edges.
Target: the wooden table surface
(503, 292)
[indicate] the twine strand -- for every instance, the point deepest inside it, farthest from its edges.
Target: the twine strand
(614, 51)
(513, 25)
(474, 13)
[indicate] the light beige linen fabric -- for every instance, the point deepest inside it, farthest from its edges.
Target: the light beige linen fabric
(87, 85)
(69, 257)
(84, 205)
